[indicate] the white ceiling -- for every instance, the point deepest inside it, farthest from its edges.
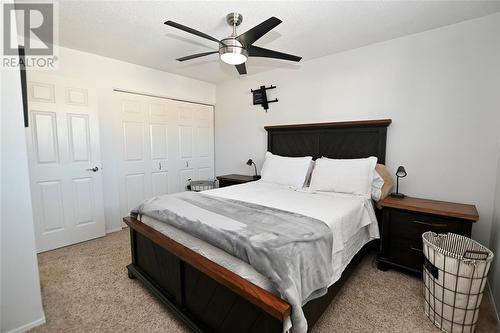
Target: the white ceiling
(134, 31)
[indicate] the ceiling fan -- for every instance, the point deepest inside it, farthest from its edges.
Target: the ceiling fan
(236, 49)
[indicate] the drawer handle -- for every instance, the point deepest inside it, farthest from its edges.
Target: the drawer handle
(429, 224)
(416, 249)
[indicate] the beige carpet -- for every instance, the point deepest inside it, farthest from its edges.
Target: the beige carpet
(85, 288)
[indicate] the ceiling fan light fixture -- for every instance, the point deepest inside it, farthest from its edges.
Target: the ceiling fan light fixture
(232, 52)
(233, 58)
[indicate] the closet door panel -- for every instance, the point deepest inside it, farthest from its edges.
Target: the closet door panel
(134, 169)
(159, 141)
(203, 160)
(160, 183)
(135, 190)
(133, 139)
(204, 141)
(186, 141)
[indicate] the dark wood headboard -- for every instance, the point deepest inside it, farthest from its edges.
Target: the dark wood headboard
(346, 139)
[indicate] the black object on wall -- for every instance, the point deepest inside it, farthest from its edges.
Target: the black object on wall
(22, 70)
(260, 97)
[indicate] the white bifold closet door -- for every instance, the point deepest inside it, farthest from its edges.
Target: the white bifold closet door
(65, 162)
(164, 143)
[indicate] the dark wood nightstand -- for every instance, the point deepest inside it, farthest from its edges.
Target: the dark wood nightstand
(404, 220)
(228, 180)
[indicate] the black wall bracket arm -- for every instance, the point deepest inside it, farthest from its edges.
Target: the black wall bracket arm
(260, 97)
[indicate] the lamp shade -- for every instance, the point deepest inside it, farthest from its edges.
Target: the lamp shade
(401, 172)
(249, 162)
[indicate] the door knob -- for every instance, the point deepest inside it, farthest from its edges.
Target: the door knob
(94, 169)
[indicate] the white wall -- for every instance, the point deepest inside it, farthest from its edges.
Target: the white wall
(104, 74)
(20, 298)
(440, 88)
(494, 276)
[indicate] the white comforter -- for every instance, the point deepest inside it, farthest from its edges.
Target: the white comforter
(345, 214)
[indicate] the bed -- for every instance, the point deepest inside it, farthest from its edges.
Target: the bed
(212, 291)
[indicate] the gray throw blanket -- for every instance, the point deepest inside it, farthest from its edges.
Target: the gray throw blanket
(293, 251)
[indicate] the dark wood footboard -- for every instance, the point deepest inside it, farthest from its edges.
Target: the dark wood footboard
(207, 296)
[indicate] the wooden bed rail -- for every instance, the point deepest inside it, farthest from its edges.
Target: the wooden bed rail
(265, 300)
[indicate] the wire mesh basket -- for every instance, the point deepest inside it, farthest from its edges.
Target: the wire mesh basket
(200, 185)
(455, 272)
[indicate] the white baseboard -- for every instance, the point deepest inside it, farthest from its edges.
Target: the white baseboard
(28, 326)
(114, 230)
(495, 308)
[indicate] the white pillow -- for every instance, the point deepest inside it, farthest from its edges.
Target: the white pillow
(285, 170)
(377, 184)
(353, 176)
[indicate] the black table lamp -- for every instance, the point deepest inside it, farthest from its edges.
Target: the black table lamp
(249, 163)
(400, 173)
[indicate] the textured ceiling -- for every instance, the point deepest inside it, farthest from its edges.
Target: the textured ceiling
(133, 31)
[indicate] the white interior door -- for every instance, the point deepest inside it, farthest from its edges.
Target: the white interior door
(65, 162)
(135, 182)
(164, 144)
(193, 124)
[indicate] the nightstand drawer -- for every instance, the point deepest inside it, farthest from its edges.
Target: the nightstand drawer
(411, 225)
(224, 183)
(406, 253)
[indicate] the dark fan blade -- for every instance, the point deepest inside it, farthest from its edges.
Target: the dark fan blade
(197, 55)
(242, 69)
(255, 51)
(190, 30)
(249, 37)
